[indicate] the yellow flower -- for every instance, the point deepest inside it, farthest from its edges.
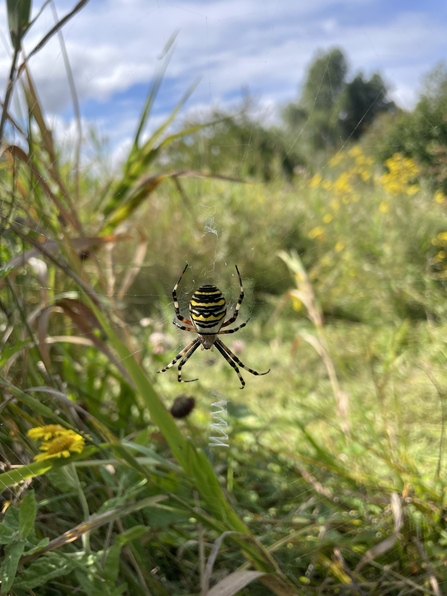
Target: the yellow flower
(442, 236)
(316, 232)
(384, 207)
(355, 151)
(365, 175)
(339, 246)
(342, 184)
(315, 181)
(335, 205)
(400, 176)
(296, 303)
(62, 446)
(328, 218)
(440, 256)
(412, 189)
(338, 157)
(46, 432)
(439, 197)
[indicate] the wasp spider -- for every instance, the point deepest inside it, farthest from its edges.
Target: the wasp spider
(208, 309)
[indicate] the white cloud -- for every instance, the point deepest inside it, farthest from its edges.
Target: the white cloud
(232, 44)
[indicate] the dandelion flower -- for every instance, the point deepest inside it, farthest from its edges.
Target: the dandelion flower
(62, 446)
(384, 207)
(46, 432)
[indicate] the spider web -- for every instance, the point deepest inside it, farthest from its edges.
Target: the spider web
(220, 257)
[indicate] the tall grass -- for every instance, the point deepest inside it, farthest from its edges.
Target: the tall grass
(334, 480)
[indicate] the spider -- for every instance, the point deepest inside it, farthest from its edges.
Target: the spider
(208, 309)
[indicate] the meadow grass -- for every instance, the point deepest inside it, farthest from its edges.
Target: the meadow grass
(333, 481)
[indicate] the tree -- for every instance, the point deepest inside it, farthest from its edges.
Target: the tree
(331, 109)
(360, 103)
(325, 81)
(422, 133)
(312, 117)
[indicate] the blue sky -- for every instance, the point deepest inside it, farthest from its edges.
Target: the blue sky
(234, 46)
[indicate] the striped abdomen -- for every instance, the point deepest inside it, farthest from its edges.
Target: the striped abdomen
(207, 309)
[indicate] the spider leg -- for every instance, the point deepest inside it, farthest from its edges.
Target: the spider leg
(239, 302)
(182, 327)
(181, 354)
(236, 359)
(219, 346)
(235, 329)
(174, 297)
(195, 344)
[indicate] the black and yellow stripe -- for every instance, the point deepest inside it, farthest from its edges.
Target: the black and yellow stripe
(207, 308)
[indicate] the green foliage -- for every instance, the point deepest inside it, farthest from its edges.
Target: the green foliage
(19, 12)
(360, 104)
(422, 133)
(325, 81)
(332, 110)
(18, 536)
(334, 478)
(238, 144)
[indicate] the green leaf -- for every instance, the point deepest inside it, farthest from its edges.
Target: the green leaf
(87, 583)
(9, 350)
(6, 534)
(19, 12)
(131, 534)
(6, 270)
(27, 516)
(24, 473)
(12, 518)
(41, 544)
(43, 570)
(8, 569)
(112, 565)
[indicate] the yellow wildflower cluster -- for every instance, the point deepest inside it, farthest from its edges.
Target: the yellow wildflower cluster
(401, 175)
(57, 441)
(345, 179)
(356, 167)
(348, 170)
